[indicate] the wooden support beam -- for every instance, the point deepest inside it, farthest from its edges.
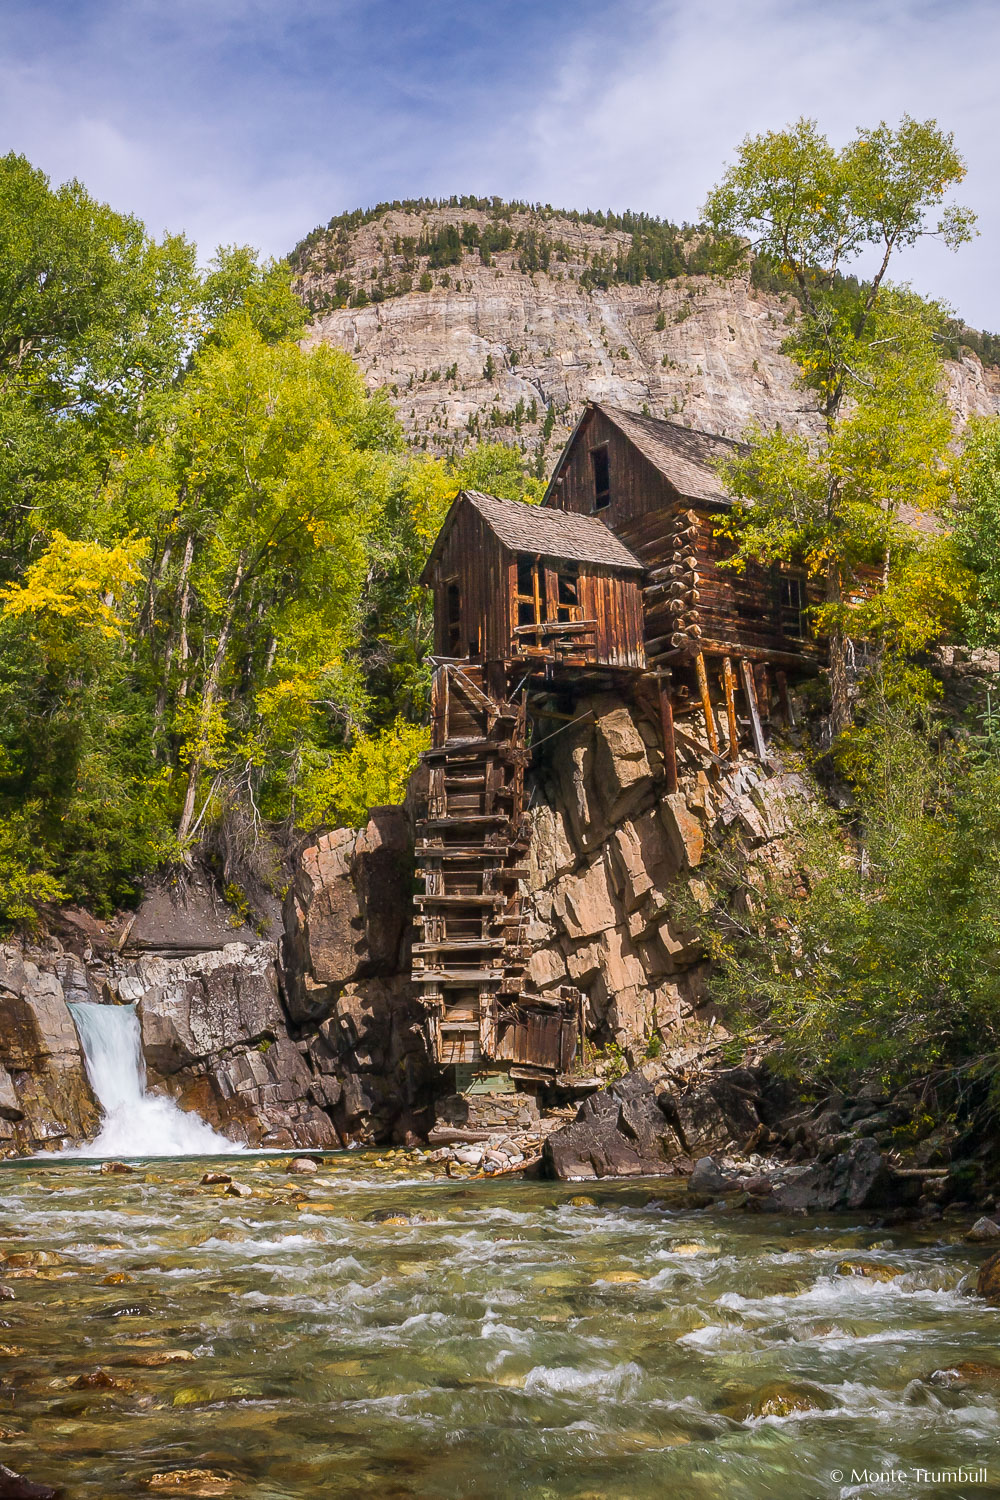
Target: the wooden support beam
(667, 729)
(784, 700)
(750, 693)
(706, 702)
(728, 689)
(763, 686)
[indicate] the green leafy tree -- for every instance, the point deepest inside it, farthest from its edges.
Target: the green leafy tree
(265, 489)
(887, 964)
(977, 529)
(865, 352)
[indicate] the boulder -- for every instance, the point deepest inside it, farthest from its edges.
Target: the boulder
(856, 1178)
(983, 1230)
(988, 1281)
(645, 1124)
(348, 910)
(186, 917)
(708, 1177)
(685, 831)
(45, 1095)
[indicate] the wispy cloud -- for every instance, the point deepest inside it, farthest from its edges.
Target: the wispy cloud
(256, 119)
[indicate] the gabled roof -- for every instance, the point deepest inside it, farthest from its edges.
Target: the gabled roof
(550, 533)
(683, 455)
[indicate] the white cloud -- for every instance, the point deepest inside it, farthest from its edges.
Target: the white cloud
(251, 120)
(652, 126)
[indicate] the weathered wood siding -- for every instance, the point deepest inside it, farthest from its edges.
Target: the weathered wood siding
(614, 601)
(474, 558)
(741, 612)
(485, 572)
(637, 486)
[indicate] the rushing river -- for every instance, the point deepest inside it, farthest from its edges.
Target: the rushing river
(485, 1339)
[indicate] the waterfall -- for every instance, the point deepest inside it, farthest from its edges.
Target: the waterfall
(135, 1123)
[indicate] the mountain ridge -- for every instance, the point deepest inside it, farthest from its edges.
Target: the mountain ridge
(501, 321)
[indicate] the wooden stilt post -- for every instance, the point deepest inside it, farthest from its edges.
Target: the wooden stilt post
(667, 727)
(784, 699)
(763, 686)
(706, 702)
(734, 733)
(750, 693)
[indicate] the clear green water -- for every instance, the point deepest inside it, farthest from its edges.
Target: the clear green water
(509, 1344)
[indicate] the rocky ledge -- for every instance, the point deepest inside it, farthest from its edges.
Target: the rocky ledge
(739, 1138)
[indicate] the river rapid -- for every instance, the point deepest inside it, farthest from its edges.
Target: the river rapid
(375, 1330)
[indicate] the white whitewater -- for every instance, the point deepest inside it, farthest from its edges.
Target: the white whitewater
(135, 1123)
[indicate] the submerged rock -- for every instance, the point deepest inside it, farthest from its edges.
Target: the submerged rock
(97, 1380)
(16, 1487)
(200, 1482)
(870, 1270)
(988, 1282)
(781, 1398)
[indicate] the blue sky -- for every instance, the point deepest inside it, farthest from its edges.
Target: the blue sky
(254, 120)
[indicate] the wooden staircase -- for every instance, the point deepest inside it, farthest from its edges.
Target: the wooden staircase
(471, 836)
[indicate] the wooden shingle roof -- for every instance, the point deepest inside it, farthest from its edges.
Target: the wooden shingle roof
(543, 531)
(683, 455)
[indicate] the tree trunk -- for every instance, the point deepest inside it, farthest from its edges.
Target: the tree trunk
(840, 708)
(209, 695)
(168, 654)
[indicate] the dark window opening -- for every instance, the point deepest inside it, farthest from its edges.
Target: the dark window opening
(453, 619)
(525, 576)
(602, 477)
(568, 595)
(792, 603)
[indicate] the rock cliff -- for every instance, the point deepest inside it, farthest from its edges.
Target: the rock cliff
(497, 351)
(614, 864)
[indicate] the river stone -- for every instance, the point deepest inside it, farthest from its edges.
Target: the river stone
(988, 1283)
(870, 1270)
(301, 1164)
(16, 1487)
(200, 1482)
(707, 1177)
(983, 1229)
(967, 1372)
(781, 1398)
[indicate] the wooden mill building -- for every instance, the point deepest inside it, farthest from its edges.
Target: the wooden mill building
(616, 579)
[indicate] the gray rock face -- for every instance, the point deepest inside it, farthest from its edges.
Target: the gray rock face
(647, 1124)
(698, 350)
(45, 1096)
(857, 1178)
(215, 1037)
(347, 915)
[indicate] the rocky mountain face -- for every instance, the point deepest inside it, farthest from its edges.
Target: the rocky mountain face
(511, 350)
